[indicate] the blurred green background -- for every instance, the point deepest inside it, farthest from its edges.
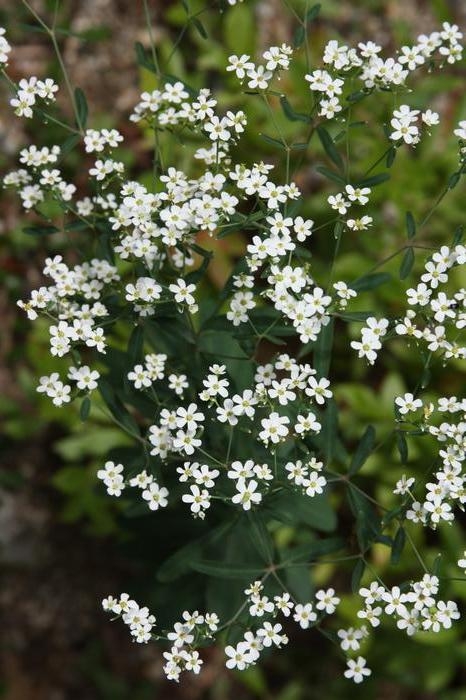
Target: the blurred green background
(63, 543)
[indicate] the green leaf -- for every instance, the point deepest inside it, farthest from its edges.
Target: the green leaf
(357, 575)
(329, 147)
(300, 32)
(329, 433)
(135, 344)
(200, 28)
(323, 350)
(69, 144)
(81, 107)
(76, 226)
(367, 520)
(85, 408)
(402, 446)
(299, 36)
(355, 315)
(453, 180)
(312, 551)
(260, 537)
(338, 230)
(356, 96)
(407, 263)
(374, 180)
(117, 408)
(363, 450)
(391, 155)
(458, 235)
(398, 545)
(273, 142)
(143, 59)
(40, 230)
(410, 225)
(220, 569)
(312, 13)
(291, 114)
(293, 508)
(363, 284)
(330, 175)
(180, 563)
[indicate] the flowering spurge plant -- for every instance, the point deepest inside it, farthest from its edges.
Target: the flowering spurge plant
(228, 397)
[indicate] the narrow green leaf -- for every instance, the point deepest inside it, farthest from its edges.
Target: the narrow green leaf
(299, 146)
(85, 408)
(290, 113)
(179, 563)
(200, 28)
(69, 144)
(295, 508)
(436, 565)
(356, 96)
(117, 408)
(391, 155)
(453, 180)
(312, 551)
(407, 263)
(398, 545)
(223, 570)
(355, 315)
(300, 32)
(363, 450)
(367, 520)
(40, 230)
(329, 147)
(330, 175)
(143, 59)
(135, 344)
(458, 235)
(402, 446)
(374, 180)
(323, 350)
(329, 430)
(312, 13)
(357, 575)
(260, 537)
(410, 225)
(338, 230)
(299, 36)
(272, 142)
(81, 107)
(363, 284)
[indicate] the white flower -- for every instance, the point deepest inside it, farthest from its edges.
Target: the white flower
(156, 496)
(407, 403)
(239, 656)
(274, 428)
(304, 615)
(327, 601)
(198, 500)
(357, 670)
(247, 494)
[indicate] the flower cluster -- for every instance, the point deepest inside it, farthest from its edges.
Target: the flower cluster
(258, 77)
(375, 72)
(5, 47)
(247, 651)
(209, 439)
(179, 431)
(185, 636)
(29, 90)
(404, 123)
